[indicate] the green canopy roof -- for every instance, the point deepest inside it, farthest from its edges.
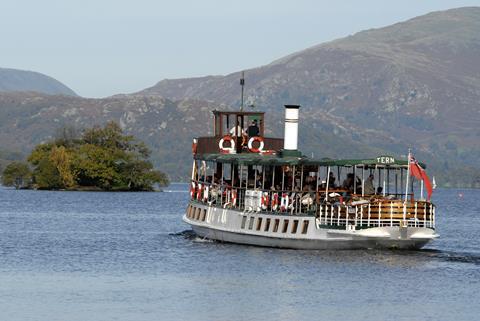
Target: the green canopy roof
(258, 159)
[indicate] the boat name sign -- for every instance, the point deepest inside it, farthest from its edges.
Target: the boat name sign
(385, 160)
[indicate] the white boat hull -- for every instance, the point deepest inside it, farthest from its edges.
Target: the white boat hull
(234, 226)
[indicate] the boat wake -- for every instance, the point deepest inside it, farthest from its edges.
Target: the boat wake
(187, 234)
(450, 256)
(190, 235)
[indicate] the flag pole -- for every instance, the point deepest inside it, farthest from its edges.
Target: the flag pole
(406, 186)
(408, 175)
(421, 189)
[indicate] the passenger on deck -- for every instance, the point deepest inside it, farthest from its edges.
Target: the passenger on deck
(253, 129)
(348, 182)
(331, 181)
(358, 186)
(369, 188)
(240, 131)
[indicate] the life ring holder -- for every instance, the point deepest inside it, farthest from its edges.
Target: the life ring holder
(256, 139)
(227, 150)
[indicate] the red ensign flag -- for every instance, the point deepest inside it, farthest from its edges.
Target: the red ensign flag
(419, 173)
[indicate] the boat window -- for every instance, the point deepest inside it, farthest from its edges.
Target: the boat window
(250, 224)
(259, 223)
(275, 226)
(189, 211)
(285, 226)
(267, 225)
(305, 227)
(197, 214)
(294, 226)
(204, 213)
(192, 211)
(244, 220)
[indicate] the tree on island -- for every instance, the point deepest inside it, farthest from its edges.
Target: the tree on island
(102, 158)
(17, 174)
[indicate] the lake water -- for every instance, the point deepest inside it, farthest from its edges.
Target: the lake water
(128, 256)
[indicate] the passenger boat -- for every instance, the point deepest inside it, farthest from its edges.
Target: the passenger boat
(256, 190)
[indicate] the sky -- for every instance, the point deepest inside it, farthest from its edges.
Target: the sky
(105, 47)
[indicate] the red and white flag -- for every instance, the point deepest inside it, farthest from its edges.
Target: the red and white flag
(419, 173)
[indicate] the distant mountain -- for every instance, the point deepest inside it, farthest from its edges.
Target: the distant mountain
(416, 82)
(21, 80)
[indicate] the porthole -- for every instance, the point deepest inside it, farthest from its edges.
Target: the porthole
(305, 227)
(294, 226)
(244, 221)
(276, 224)
(191, 212)
(285, 226)
(259, 223)
(250, 223)
(267, 225)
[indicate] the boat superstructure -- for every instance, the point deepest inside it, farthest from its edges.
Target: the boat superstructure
(251, 189)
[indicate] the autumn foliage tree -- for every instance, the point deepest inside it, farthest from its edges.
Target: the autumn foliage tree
(17, 174)
(102, 157)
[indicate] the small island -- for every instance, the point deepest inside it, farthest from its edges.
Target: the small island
(100, 158)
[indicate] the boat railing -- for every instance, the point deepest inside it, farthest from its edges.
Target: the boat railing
(377, 214)
(255, 199)
(354, 210)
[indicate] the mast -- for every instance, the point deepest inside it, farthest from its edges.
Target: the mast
(242, 83)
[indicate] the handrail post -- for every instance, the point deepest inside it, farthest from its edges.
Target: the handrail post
(361, 215)
(331, 216)
(379, 213)
(416, 213)
(368, 224)
(356, 214)
(338, 216)
(391, 213)
(430, 215)
(320, 213)
(433, 207)
(425, 215)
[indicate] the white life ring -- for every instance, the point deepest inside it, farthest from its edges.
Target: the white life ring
(259, 140)
(275, 201)
(228, 150)
(199, 192)
(265, 201)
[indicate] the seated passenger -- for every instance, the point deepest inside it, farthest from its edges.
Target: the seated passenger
(348, 182)
(331, 181)
(369, 188)
(358, 187)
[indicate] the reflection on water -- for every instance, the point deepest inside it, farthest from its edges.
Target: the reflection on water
(128, 256)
